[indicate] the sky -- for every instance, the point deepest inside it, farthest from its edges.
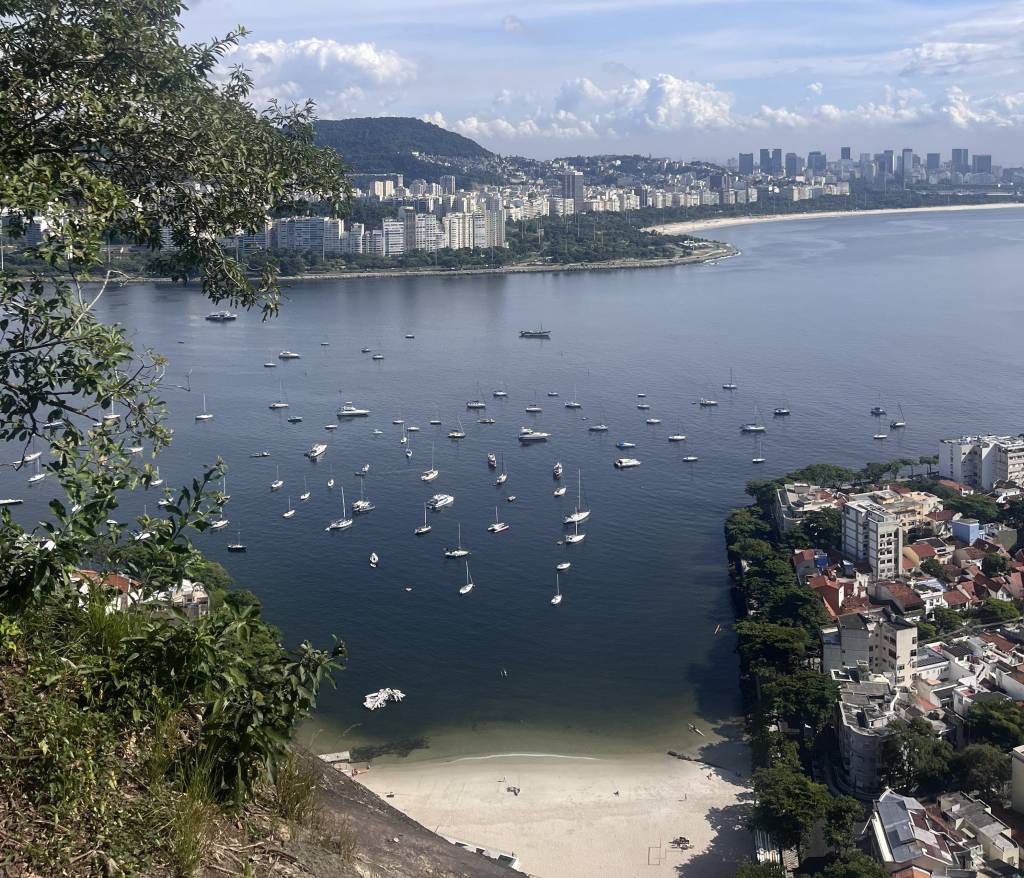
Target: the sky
(679, 78)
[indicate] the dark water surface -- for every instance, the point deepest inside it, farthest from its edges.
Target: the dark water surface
(826, 316)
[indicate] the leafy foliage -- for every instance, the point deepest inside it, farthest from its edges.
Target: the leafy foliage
(768, 646)
(854, 864)
(804, 697)
(1000, 723)
(994, 565)
(788, 804)
(995, 610)
(982, 768)
(911, 759)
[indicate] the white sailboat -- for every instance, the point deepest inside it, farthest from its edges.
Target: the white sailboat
(498, 525)
(468, 587)
(304, 496)
(204, 415)
(759, 457)
(281, 403)
(900, 422)
(374, 560)
(432, 473)
(572, 403)
(580, 513)
(575, 536)
(754, 426)
(290, 511)
(502, 476)
(157, 482)
(362, 505)
(458, 551)
(277, 484)
(460, 433)
(344, 522)
(730, 385)
(330, 480)
(218, 523)
(237, 545)
(423, 528)
(408, 449)
(557, 599)
(38, 476)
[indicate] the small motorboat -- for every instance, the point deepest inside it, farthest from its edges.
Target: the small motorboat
(559, 491)
(598, 428)
(295, 419)
(624, 444)
(374, 560)
(511, 498)
(565, 565)
(260, 454)
(364, 350)
(626, 463)
(781, 412)
(677, 437)
(690, 458)
(653, 421)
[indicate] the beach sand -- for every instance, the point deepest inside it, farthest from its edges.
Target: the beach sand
(690, 227)
(580, 816)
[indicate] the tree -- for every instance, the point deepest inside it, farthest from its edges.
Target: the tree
(753, 551)
(803, 698)
(760, 870)
(788, 803)
(746, 522)
(796, 605)
(825, 527)
(978, 506)
(841, 817)
(824, 474)
(995, 610)
(911, 759)
(854, 864)
(947, 620)
(1000, 723)
(929, 460)
(994, 565)
(932, 567)
(982, 768)
(767, 646)
(1013, 515)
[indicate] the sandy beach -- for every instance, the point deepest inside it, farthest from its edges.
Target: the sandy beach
(580, 816)
(690, 227)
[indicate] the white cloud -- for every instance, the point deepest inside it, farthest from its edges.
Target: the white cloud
(815, 88)
(944, 58)
(514, 25)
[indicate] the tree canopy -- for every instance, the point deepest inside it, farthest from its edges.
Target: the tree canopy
(911, 759)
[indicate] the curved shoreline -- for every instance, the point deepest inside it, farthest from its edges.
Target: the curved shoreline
(688, 227)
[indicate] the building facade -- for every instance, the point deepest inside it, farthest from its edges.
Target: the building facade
(872, 535)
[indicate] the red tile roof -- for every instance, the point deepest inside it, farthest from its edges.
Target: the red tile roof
(955, 598)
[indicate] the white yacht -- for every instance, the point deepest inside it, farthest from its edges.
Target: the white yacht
(564, 565)
(290, 511)
(475, 404)
(317, 450)
(899, 422)
(677, 437)
(730, 384)
(277, 484)
(598, 428)
(575, 536)
(459, 551)
(459, 433)
(374, 560)
(492, 460)
(304, 496)
(556, 470)
(295, 419)
(498, 525)
(468, 587)
(703, 402)
(623, 444)
(553, 393)
(157, 482)
(487, 421)
(759, 457)
(330, 479)
(362, 505)
(423, 528)
(440, 501)
(412, 428)
(528, 434)
(643, 406)
(38, 476)
(398, 422)
(330, 426)
(217, 524)
(559, 491)
(534, 409)
(755, 426)
(288, 355)
(350, 411)
(237, 545)
(432, 473)
(881, 436)
(281, 403)
(572, 403)
(580, 513)
(204, 415)
(781, 412)
(502, 476)
(377, 357)
(499, 394)
(344, 522)
(557, 599)
(11, 501)
(690, 458)
(626, 463)
(652, 421)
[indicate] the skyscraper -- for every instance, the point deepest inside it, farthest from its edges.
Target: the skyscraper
(447, 184)
(907, 166)
(746, 163)
(792, 164)
(981, 164)
(573, 189)
(961, 160)
(934, 161)
(816, 162)
(844, 154)
(777, 162)
(766, 161)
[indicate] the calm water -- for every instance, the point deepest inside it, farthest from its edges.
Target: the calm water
(827, 316)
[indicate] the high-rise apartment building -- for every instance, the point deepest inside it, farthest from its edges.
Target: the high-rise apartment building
(872, 535)
(981, 164)
(318, 234)
(746, 163)
(981, 461)
(776, 162)
(816, 163)
(961, 161)
(447, 184)
(907, 166)
(933, 162)
(765, 161)
(793, 164)
(844, 154)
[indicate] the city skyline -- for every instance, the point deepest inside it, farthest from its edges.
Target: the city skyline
(681, 78)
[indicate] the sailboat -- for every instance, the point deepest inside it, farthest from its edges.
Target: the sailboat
(502, 476)
(557, 599)
(572, 403)
(731, 385)
(458, 551)
(899, 423)
(330, 481)
(575, 536)
(374, 560)
(423, 528)
(111, 415)
(157, 482)
(564, 565)
(498, 526)
(224, 495)
(430, 474)
(468, 587)
(534, 407)
(217, 524)
(759, 458)
(39, 474)
(290, 511)
(344, 522)
(304, 496)
(408, 448)
(281, 403)
(277, 484)
(362, 505)
(204, 415)
(459, 433)
(237, 545)
(754, 426)
(580, 514)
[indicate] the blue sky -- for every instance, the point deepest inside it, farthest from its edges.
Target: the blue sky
(681, 78)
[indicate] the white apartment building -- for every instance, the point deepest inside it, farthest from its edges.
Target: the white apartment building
(981, 461)
(458, 230)
(355, 239)
(429, 234)
(245, 243)
(878, 640)
(871, 534)
(317, 233)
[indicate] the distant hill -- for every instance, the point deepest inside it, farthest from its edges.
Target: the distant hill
(383, 144)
